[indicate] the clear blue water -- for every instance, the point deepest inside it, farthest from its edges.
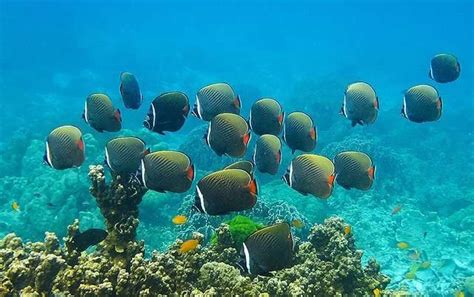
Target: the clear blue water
(53, 54)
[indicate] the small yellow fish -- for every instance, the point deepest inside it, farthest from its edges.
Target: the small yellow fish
(403, 245)
(410, 275)
(15, 206)
(347, 229)
(425, 265)
(459, 294)
(297, 223)
(377, 292)
(179, 220)
(188, 245)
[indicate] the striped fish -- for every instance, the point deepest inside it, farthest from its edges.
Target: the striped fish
(244, 165)
(311, 174)
(299, 132)
(422, 103)
(166, 171)
(361, 104)
(266, 117)
(268, 249)
(225, 191)
(216, 99)
(101, 115)
(64, 148)
(267, 154)
(228, 134)
(354, 170)
(123, 155)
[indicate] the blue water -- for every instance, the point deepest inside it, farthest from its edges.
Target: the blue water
(54, 53)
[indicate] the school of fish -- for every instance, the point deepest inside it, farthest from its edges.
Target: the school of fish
(234, 188)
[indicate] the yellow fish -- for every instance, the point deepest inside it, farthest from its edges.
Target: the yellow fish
(410, 275)
(188, 245)
(347, 229)
(15, 206)
(179, 220)
(297, 223)
(377, 292)
(459, 294)
(425, 265)
(403, 245)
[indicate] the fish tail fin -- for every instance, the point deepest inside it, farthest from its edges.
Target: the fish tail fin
(118, 115)
(371, 172)
(186, 110)
(281, 117)
(190, 172)
(146, 152)
(253, 187)
(246, 138)
(237, 103)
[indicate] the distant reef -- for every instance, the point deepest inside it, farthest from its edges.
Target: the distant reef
(326, 262)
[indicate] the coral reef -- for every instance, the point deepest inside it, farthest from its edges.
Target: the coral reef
(118, 203)
(326, 265)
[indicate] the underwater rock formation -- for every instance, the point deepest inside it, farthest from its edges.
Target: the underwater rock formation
(328, 264)
(118, 203)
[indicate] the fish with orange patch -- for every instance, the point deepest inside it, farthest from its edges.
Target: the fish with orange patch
(228, 134)
(299, 132)
(266, 117)
(189, 245)
(226, 191)
(311, 174)
(354, 170)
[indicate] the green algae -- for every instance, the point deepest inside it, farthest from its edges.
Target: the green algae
(240, 228)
